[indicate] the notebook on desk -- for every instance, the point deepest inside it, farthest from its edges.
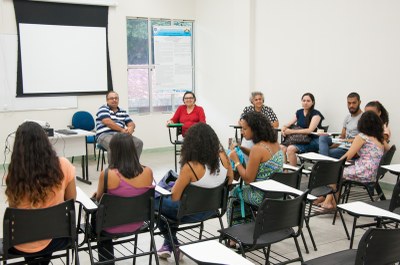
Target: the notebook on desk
(66, 132)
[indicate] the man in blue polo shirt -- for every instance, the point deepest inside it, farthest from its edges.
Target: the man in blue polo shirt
(111, 119)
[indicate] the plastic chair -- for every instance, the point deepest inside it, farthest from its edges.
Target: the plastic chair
(274, 222)
(176, 142)
(28, 225)
(377, 246)
(116, 211)
(324, 175)
(197, 200)
(84, 120)
(369, 187)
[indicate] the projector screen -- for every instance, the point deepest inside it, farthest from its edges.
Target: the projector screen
(63, 58)
(63, 49)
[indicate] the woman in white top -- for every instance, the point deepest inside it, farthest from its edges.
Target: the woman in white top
(203, 163)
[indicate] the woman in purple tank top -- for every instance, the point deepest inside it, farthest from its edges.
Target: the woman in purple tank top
(126, 178)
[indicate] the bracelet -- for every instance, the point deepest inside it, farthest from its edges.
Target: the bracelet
(237, 164)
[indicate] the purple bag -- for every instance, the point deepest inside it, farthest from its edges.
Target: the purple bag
(168, 181)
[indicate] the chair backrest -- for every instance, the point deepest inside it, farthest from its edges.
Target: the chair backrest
(395, 200)
(198, 199)
(379, 246)
(291, 178)
(29, 225)
(385, 160)
(83, 120)
(324, 173)
(274, 215)
(116, 210)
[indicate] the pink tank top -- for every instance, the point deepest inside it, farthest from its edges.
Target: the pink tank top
(126, 190)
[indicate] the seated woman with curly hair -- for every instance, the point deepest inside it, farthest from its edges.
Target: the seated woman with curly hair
(36, 179)
(204, 164)
(265, 158)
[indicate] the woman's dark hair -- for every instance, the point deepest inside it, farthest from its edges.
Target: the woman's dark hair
(34, 169)
(309, 117)
(201, 145)
(261, 127)
(384, 113)
(371, 125)
(123, 156)
(189, 92)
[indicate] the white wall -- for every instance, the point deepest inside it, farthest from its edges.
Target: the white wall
(329, 48)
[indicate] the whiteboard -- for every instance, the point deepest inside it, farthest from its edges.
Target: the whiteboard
(8, 83)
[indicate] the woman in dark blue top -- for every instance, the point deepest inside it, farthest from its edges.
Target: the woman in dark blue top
(307, 118)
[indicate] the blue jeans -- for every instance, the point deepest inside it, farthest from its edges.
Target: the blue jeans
(325, 142)
(170, 210)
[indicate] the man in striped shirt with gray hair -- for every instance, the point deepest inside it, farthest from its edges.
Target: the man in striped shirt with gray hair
(111, 119)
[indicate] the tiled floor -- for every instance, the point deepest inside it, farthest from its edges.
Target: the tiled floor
(330, 238)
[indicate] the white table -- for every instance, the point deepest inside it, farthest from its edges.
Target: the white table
(394, 169)
(213, 252)
(358, 209)
(85, 200)
(271, 185)
(312, 156)
(73, 145)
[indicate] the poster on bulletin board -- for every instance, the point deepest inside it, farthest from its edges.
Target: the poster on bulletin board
(173, 71)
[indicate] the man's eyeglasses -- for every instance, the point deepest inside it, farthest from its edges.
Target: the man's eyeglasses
(188, 98)
(116, 98)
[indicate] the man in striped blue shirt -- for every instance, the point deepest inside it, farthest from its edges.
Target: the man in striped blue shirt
(111, 119)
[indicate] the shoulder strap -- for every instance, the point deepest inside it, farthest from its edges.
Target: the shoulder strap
(105, 180)
(193, 171)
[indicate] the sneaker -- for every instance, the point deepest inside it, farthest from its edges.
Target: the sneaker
(164, 252)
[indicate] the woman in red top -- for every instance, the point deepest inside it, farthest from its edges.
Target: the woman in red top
(189, 113)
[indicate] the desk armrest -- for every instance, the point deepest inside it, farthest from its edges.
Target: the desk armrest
(85, 200)
(175, 125)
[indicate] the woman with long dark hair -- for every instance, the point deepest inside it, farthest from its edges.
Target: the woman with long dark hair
(380, 110)
(309, 119)
(36, 179)
(126, 178)
(203, 163)
(368, 146)
(265, 158)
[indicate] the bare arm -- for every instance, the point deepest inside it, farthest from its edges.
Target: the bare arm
(249, 173)
(131, 127)
(287, 125)
(112, 125)
(358, 142)
(275, 124)
(181, 183)
(70, 190)
(225, 162)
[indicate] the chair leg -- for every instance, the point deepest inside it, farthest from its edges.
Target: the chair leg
(98, 159)
(342, 218)
(353, 232)
(298, 249)
(379, 190)
(304, 242)
(176, 162)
